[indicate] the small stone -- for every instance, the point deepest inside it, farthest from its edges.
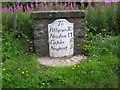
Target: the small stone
(84, 57)
(67, 60)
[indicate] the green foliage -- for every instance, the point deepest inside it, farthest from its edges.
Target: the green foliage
(21, 70)
(7, 4)
(100, 45)
(24, 23)
(103, 20)
(20, 67)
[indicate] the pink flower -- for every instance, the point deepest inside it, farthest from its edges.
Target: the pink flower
(18, 1)
(46, 7)
(81, 1)
(56, 3)
(61, 5)
(36, 1)
(28, 8)
(50, 5)
(68, 2)
(14, 7)
(6, 10)
(107, 2)
(18, 7)
(71, 6)
(65, 5)
(74, 5)
(11, 9)
(21, 7)
(3, 11)
(32, 6)
(89, 0)
(42, 6)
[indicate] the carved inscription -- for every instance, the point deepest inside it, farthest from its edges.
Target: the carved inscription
(61, 38)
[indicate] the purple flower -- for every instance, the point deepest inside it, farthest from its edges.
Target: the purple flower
(71, 6)
(14, 7)
(6, 10)
(50, 5)
(32, 6)
(81, 1)
(11, 9)
(107, 2)
(69, 2)
(61, 5)
(18, 1)
(28, 8)
(65, 5)
(74, 5)
(21, 7)
(56, 1)
(3, 10)
(18, 7)
(42, 6)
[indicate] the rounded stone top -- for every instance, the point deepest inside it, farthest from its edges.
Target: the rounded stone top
(58, 14)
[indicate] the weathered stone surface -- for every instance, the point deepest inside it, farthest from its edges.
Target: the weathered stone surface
(61, 62)
(80, 33)
(58, 14)
(42, 19)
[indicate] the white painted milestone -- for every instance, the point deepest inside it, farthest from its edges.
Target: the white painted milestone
(61, 38)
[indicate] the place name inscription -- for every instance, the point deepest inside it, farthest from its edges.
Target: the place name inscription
(61, 38)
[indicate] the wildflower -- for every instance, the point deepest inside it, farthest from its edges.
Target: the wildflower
(73, 68)
(89, 60)
(107, 2)
(28, 8)
(74, 4)
(18, 68)
(27, 75)
(61, 6)
(71, 6)
(69, 2)
(23, 72)
(26, 71)
(88, 29)
(3, 69)
(32, 6)
(78, 45)
(91, 41)
(65, 5)
(43, 83)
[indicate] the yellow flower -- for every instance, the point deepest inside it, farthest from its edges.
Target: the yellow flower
(74, 65)
(73, 68)
(22, 72)
(26, 71)
(78, 45)
(27, 75)
(43, 83)
(88, 29)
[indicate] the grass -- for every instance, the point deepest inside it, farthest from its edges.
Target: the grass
(20, 68)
